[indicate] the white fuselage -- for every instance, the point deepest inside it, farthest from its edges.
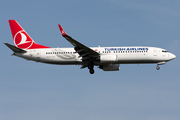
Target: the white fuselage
(106, 58)
(115, 55)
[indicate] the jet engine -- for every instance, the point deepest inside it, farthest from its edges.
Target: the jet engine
(112, 67)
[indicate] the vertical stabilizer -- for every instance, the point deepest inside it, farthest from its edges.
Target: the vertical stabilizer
(21, 38)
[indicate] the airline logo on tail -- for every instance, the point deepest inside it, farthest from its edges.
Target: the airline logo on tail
(21, 38)
(22, 41)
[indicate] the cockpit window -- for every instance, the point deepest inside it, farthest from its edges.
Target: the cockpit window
(164, 51)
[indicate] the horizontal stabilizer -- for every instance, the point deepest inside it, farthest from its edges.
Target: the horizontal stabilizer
(15, 49)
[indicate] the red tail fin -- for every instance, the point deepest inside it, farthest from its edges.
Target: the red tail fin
(21, 38)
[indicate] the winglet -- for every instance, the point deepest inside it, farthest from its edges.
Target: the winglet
(62, 31)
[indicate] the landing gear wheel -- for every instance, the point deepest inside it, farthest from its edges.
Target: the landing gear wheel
(91, 71)
(91, 67)
(157, 67)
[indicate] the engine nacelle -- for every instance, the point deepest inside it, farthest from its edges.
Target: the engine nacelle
(108, 58)
(112, 67)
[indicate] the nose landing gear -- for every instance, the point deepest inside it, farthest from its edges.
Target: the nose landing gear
(157, 67)
(160, 63)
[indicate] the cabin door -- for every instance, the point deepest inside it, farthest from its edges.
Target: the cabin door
(155, 52)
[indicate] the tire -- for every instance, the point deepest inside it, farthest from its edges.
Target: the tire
(157, 67)
(91, 71)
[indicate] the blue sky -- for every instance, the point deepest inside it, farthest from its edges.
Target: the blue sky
(31, 90)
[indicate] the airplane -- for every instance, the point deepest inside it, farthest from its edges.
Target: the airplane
(106, 58)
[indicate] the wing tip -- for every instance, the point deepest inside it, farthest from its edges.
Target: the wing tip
(63, 33)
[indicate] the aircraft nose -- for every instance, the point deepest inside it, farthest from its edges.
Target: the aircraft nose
(172, 56)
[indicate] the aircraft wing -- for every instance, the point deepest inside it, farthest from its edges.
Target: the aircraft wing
(84, 51)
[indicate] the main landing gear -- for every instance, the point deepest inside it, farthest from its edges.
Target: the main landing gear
(91, 67)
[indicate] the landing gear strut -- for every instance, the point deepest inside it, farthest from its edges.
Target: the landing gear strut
(91, 67)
